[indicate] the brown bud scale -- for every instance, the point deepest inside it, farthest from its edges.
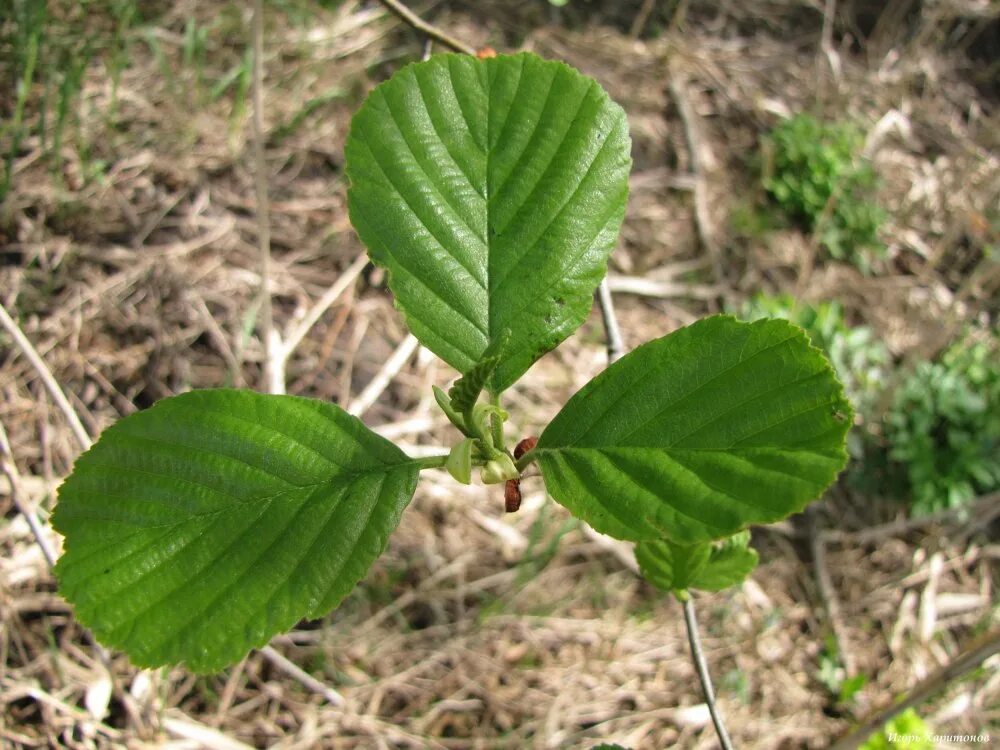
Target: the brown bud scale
(524, 446)
(512, 495)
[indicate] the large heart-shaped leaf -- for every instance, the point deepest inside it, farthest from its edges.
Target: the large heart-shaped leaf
(493, 191)
(696, 435)
(199, 528)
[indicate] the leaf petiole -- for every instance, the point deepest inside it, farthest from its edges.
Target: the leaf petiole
(526, 460)
(497, 417)
(438, 462)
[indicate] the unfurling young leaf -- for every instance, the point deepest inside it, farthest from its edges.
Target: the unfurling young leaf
(699, 434)
(492, 190)
(467, 388)
(731, 561)
(709, 566)
(499, 470)
(201, 527)
(459, 463)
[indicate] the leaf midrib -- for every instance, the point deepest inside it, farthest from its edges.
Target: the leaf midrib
(348, 477)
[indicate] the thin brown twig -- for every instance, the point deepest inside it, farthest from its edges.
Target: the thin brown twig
(826, 39)
(274, 373)
(983, 510)
(616, 347)
(703, 674)
(828, 593)
(32, 355)
(978, 652)
(692, 135)
(411, 18)
(331, 295)
(9, 469)
(639, 22)
(290, 668)
(381, 381)
(37, 527)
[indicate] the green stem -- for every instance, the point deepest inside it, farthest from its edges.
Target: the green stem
(496, 425)
(485, 439)
(438, 462)
(526, 460)
(431, 462)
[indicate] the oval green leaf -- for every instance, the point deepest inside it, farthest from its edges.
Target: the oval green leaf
(493, 191)
(699, 434)
(201, 527)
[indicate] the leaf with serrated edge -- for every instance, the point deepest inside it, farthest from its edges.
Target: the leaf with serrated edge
(730, 562)
(201, 527)
(466, 390)
(709, 566)
(699, 434)
(669, 566)
(492, 190)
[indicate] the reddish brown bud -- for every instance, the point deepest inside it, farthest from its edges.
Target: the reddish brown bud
(524, 446)
(512, 495)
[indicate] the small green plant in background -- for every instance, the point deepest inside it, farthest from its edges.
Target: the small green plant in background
(815, 173)
(943, 430)
(904, 732)
(833, 676)
(861, 360)
(45, 67)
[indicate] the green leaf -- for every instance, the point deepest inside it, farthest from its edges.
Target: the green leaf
(459, 463)
(199, 528)
(730, 562)
(707, 566)
(669, 566)
(699, 434)
(493, 191)
(445, 403)
(467, 388)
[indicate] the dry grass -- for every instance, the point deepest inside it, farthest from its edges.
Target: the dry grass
(137, 279)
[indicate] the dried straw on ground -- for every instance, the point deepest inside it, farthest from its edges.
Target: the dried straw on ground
(476, 629)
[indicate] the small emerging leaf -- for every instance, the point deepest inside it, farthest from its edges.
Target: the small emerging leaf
(201, 527)
(699, 434)
(445, 403)
(731, 561)
(706, 566)
(481, 416)
(467, 388)
(459, 463)
(499, 470)
(669, 566)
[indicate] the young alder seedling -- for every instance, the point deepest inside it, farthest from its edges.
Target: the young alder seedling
(493, 192)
